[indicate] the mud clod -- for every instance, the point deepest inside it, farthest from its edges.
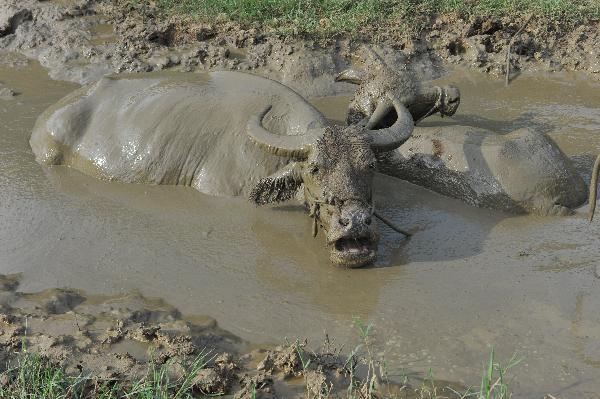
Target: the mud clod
(217, 380)
(6, 93)
(284, 359)
(12, 18)
(257, 386)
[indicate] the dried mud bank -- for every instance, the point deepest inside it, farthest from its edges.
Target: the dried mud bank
(482, 44)
(82, 40)
(116, 338)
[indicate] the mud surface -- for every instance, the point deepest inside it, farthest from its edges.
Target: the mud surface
(81, 40)
(478, 42)
(482, 44)
(467, 279)
(119, 338)
(106, 336)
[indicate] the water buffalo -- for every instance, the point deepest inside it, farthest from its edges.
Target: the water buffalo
(226, 133)
(377, 83)
(521, 172)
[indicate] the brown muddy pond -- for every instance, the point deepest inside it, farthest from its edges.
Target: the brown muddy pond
(469, 279)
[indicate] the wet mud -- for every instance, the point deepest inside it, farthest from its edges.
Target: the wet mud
(479, 43)
(105, 336)
(542, 46)
(119, 338)
(467, 279)
(82, 40)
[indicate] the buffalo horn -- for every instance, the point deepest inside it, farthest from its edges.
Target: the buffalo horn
(390, 138)
(282, 145)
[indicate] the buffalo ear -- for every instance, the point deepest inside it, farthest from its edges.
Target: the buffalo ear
(351, 76)
(280, 186)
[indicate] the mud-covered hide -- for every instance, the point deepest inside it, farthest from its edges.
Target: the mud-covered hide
(520, 172)
(186, 129)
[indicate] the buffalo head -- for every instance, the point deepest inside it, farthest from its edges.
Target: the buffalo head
(378, 81)
(332, 169)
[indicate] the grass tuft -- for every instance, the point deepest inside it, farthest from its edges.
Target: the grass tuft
(34, 377)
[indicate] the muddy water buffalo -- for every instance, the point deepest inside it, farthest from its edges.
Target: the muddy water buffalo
(377, 83)
(226, 133)
(521, 172)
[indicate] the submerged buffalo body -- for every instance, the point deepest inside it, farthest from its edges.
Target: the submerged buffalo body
(226, 133)
(521, 172)
(170, 129)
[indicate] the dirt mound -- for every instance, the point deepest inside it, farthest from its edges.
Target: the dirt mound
(477, 42)
(482, 43)
(83, 40)
(106, 336)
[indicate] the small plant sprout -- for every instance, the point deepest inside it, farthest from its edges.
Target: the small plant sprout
(493, 382)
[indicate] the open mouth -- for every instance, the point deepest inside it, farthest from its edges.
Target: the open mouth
(353, 251)
(353, 245)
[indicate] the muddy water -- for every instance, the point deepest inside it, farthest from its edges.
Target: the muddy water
(467, 280)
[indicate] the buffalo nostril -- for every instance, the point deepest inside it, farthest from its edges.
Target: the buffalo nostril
(344, 221)
(368, 221)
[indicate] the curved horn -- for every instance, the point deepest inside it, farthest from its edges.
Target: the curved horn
(594, 188)
(394, 136)
(382, 110)
(284, 146)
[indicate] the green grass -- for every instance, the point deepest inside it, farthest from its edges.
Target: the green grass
(33, 377)
(329, 18)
